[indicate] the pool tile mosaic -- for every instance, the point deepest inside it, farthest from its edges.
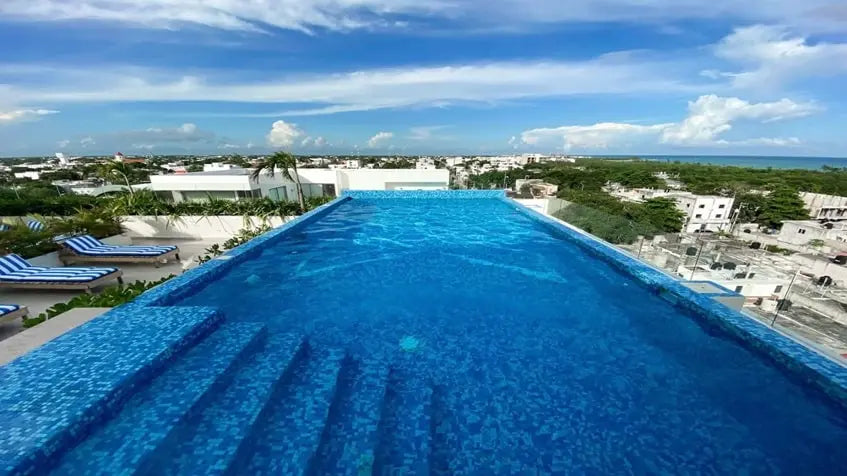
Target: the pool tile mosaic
(804, 362)
(150, 416)
(52, 396)
(408, 391)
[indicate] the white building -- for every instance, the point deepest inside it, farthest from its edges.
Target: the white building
(702, 212)
(32, 174)
(425, 163)
(236, 183)
(216, 166)
(752, 284)
(801, 232)
(825, 207)
(454, 161)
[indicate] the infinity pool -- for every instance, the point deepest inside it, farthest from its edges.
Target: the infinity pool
(461, 336)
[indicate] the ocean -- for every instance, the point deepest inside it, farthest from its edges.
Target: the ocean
(810, 163)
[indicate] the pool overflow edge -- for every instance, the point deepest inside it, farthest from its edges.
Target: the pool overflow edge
(800, 360)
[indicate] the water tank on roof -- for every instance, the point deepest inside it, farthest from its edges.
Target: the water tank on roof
(783, 304)
(840, 259)
(729, 265)
(755, 245)
(691, 251)
(825, 281)
(716, 266)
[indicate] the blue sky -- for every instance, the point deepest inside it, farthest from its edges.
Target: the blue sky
(761, 77)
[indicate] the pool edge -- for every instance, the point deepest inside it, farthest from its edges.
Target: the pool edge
(800, 359)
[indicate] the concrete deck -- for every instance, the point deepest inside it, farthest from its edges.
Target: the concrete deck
(40, 301)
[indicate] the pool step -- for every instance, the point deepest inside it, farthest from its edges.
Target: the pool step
(219, 438)
(350, 436)
(148, 417)
(52, 397)
(404, 430)
(287, 442)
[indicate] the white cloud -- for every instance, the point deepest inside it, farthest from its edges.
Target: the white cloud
(422, 133)
(87, 141)
(238, 15)
(24, 114)
(708, 117)
(143, 146)
(229, 146)
(283, 134)
(438, 15)
(772, 55)
(63, 143)
(379, 139)
(250, 145)
(320, 142)
(432, 86)
(187, 128)
(596, 136)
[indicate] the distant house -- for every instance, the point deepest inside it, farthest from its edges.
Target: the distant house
(709, 213)
(119, 157)
(825, 207)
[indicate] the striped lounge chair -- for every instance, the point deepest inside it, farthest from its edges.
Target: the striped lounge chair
(10, 312)
(16, 272)
(35, 225)
(86, 248)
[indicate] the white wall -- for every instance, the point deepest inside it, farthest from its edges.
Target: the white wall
(201, 182)
(196, 227)
(391, 179)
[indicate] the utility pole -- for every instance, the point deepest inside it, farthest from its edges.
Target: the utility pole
(735, 218)
(776, 314)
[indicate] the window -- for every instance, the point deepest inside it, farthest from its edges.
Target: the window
(701, 206)
(802, 231)
(718, 215)
(698, 216)
(278, 194)
(722, 205)
(778, 289)
(738, 288)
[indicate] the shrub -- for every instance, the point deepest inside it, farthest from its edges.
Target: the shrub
(243, 236)
(110, 297)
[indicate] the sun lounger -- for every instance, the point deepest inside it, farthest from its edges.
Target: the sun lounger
(10, 312)
(16, 272)
(86, 248)
(35, 225)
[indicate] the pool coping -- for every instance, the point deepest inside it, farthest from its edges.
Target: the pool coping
(794, 356)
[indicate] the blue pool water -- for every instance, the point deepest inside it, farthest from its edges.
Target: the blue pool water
(458, 336)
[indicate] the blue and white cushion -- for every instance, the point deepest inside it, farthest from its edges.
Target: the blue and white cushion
(5, 227)
(35, 225)
(14, 269)
(8, 308)
(87, 245)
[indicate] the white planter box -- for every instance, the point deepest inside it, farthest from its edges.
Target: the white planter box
(192, 227)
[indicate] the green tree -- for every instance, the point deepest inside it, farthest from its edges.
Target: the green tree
(663, 214)
(287, 165)
(782, 204)
(118, 170)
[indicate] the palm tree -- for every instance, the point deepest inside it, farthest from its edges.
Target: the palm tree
(287, 165)
(119, 169)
